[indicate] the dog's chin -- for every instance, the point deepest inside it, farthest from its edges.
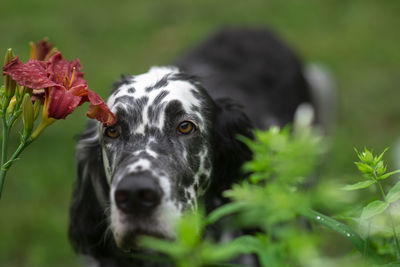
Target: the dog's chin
(127, 228)
(129, 239)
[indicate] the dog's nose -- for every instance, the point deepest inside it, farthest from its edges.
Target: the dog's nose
(138, 195)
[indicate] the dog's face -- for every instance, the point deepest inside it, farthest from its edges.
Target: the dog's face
(172, 144)
(157, 158)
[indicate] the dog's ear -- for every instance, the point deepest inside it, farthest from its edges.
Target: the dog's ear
(88, 222)
(229, 152)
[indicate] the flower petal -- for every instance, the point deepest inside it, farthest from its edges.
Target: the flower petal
(42, 50)
(32, 74)
(80, 90)
(99, 110)
(60, 69)
(61, 103)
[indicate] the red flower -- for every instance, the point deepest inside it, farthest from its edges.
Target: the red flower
(65, 88)
(42, 50)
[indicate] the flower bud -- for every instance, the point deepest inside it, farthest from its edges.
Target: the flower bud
(9, 83)
(28, 115)
(11, 105)
(36, 109)
(9, 56)
(10, 86)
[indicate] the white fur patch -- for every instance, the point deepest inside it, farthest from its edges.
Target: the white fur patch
(141, 164)
(178, 90)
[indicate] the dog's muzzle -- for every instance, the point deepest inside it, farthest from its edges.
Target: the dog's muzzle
(138, 194)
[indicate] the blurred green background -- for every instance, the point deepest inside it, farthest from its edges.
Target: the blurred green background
(358, 40)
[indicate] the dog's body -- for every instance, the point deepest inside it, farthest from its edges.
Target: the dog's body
(175, 140)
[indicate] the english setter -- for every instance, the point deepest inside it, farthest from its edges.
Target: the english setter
(175, 142)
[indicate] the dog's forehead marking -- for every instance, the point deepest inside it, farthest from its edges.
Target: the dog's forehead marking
(141, 165)
(158, 89)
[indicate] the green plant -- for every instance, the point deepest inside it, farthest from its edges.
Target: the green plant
(271, 201)
(276, 205)
(376, 218)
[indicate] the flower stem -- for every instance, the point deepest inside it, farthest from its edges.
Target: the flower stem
(6, 165)
(25, 141)
(3, 148)
(43, 125)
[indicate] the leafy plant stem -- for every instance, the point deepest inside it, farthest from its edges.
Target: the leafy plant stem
(389, 215)
(381, 189)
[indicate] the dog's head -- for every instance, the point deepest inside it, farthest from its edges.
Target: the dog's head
(171, 145)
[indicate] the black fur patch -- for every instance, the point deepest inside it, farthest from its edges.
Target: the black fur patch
(161, 83)
(160, 97)
(125, 79)
(128, 100)
(154, 112)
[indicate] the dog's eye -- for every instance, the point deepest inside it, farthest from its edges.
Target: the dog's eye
(186, 127)
(112, 132)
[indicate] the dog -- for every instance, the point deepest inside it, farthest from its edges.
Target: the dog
(175, 142)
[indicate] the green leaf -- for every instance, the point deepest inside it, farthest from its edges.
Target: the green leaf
(165, 246)
(223, 211)
(8, 164)
(394, 193)
(380, 168)
(360, 244)
(381, 155)
(359, 185)
(337, 226)
(212, 253)
(365, 156)
(387, 175)
(374, 208)
(190, 228)
(364, 168)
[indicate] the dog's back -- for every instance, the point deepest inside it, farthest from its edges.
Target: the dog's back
(255, 69)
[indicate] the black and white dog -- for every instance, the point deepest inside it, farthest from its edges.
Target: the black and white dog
(175, 140)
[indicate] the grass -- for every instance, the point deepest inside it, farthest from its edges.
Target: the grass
(358, 40)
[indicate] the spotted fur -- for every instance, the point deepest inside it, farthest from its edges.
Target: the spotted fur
(185, 168)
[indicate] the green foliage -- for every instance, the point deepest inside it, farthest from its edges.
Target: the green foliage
(394, 193)
(190, 250)
(373, 167)
(359, 185)
(277, 202)
(277, 153)
(374, 208)
(376, 218)
(272, 202)
(358, 242)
